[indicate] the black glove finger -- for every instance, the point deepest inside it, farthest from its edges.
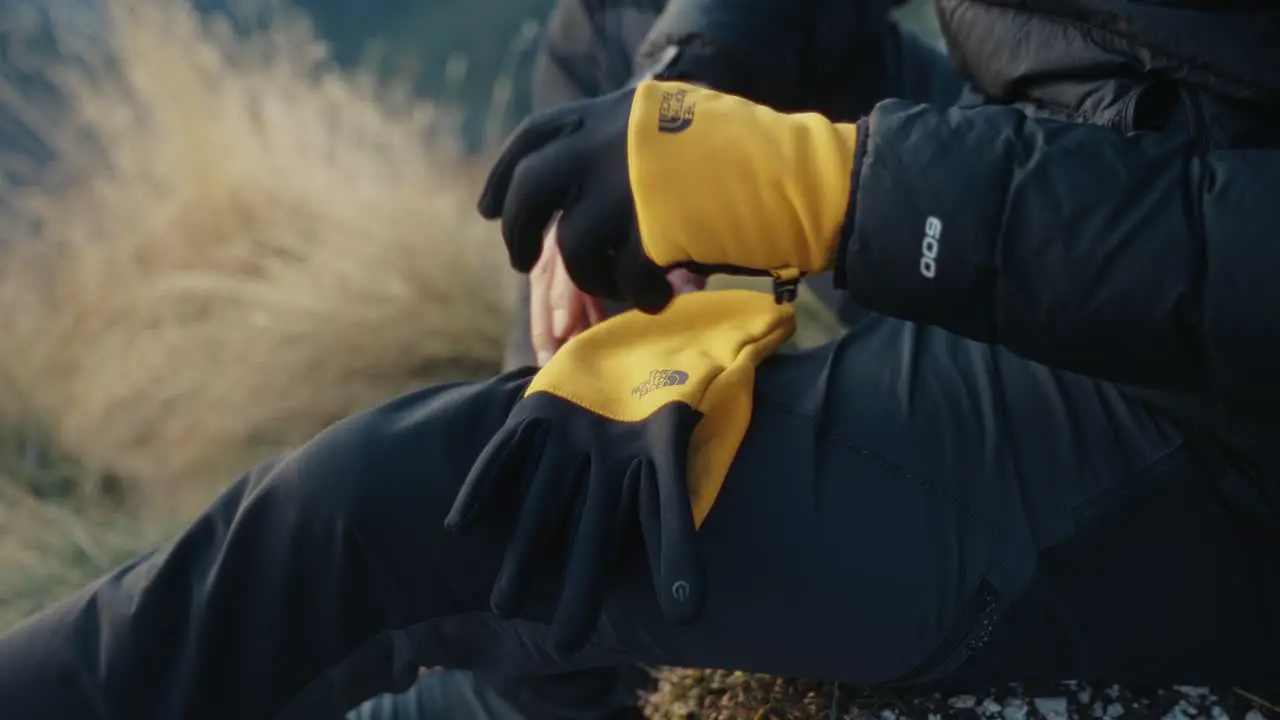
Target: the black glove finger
(532, 135)
(642, 282)
(666, 521)
(541, 186)
(591, 234)
(546, 508)
(493, 474)
(681, 555)
(594, 547)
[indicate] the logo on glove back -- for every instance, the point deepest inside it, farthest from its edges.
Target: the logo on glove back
(674, 115)
(659, 379)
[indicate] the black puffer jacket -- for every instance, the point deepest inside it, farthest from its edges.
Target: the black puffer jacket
(1084, 58)
(1136, 250)
(1103, 205)
(1101, 202)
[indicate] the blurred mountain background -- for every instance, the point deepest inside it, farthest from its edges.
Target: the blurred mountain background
(464, 49)
(471, 54)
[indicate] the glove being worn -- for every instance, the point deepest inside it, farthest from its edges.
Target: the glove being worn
(635, 421)
(667, 175)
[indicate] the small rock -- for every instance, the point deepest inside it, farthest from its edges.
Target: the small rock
(1115, 710)
(1097, 710)
(888, 715)
(1194, 691)
(962, 701)
(1218, 713)
(1014, 709)
(1255, 714)
(991, 707)
(1052, 708)
(1085, 695)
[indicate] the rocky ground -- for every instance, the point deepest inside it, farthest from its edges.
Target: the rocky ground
(701, 695)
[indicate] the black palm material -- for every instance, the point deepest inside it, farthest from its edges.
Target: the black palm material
(572, 161)
(586, 485)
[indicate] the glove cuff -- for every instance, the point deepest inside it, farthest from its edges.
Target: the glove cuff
(719, 181)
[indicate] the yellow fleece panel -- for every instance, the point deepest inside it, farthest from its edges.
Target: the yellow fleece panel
(720, 180)
(702, 350)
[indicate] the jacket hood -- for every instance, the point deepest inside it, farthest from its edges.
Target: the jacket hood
(1228, 47)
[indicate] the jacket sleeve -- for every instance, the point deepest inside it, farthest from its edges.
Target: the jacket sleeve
(1137, 259)
(836, 57)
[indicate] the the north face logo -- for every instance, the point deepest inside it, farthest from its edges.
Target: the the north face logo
(673, 114)
(659, 379)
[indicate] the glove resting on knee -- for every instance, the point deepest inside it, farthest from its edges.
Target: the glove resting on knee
(633, 424)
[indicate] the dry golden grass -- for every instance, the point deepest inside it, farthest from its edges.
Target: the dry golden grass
(237, 245)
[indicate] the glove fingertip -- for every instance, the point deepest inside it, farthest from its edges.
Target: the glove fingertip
(510, 590)
(490, 203)
(486, 477)
(687, 594)
(461, 517)
(501, 605)
(641, 280)
(462, 513)
(474, 493)
(533, 134)
(654, 299)
(459, 520)
(680, 574)
(507, 596)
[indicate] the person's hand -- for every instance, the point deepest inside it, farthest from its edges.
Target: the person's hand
(629, 430)
(669, 175)
(559, 311)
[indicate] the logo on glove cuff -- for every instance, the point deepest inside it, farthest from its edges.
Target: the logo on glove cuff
(673, 115)
(659, 379)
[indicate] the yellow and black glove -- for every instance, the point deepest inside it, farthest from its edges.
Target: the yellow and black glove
(632, 425)
(665, 175)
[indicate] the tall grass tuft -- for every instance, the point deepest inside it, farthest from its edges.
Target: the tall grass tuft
(235, 244)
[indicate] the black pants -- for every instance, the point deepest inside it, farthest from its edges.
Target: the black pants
(907, 507)
(587, 51)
